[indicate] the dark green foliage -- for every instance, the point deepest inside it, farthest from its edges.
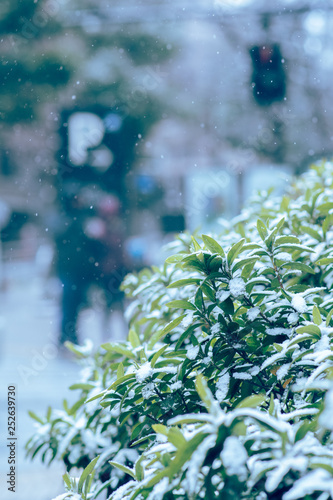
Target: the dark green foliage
(224, 387)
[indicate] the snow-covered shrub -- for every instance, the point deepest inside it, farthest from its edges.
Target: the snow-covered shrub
(224, 388)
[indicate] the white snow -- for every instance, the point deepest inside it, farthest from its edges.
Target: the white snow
(299, 303)
(176, 385)
(284, 256)
(283, 371)
(283, 466)
(192, 352)
(278, 331)
(253, 313)
(222, 387)
(144, 372)
(292, 318)
(237, 287)
(148, 391)
(215, 328)
(234, 457)
(254, 371)
(222, 295)
(159, 490)
(242, 375)
(316, 480)
(187, 320)
(325, 418)
(191, 484)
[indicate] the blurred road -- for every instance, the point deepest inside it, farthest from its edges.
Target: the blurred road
(30, 360)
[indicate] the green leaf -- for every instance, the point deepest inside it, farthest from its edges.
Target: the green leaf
(176, 437)
(134, 339)
(82, 386)
(244, 262)
(327, 223)
(123, 468)
(160, 333)
(88, 470)
(299, 266)
(174, 259)
(307, 426)
(203, 391)
(281, 240)
(139, 470)
(119, 349)
(312, 232)
(67, 480)
(312, 329)
(181, 304)
(271, 238)
(198, 300)
(325, 207)
(208, 291)
(285, 203)
(325, 261)
(184, 282)
(329, 316)
(76, 406)
(227, 306)
(212, 245)
(271, 405)
(160, 429)
(196, 245)
(175, 322)
(316, 316)
(121, 380)
(252, 401)
(280, 224)
(262, 229)
(234, 251)
(36, 417)
(293, 247)
(120, 371)
(157, 355)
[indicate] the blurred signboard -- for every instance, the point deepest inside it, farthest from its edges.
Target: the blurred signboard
(209, 194)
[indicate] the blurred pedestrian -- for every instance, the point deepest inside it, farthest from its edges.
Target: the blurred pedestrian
(90, 251)
(76, 264)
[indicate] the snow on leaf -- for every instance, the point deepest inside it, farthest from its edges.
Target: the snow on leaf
(299, 303)
(325, 418)
(192, 352)
(234, 457)
(253, 313)
(237, 287)
(222, 295)
(316, 480)
(191, 483)
(144, 372)
(222, 387)
(242, 376)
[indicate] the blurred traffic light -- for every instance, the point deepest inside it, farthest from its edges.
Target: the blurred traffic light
(268, 78)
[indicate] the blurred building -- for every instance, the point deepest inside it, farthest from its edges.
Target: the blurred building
(185, 75)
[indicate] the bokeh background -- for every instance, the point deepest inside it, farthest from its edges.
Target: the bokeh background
(151, 117)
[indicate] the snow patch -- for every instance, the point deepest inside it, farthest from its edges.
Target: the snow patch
(237, 287)
(299, 303)
(192, 352)
(144, 372)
